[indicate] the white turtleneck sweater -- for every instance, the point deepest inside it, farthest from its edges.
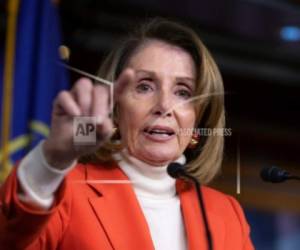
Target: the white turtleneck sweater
(155, 191)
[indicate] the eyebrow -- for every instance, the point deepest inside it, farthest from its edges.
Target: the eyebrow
(180, 78)
(190, 79)
(152, 73)
(188, 82)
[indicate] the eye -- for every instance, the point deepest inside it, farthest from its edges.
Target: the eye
(144, 87)
(183, 93)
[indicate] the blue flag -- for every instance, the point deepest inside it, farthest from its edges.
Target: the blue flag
(38, 77)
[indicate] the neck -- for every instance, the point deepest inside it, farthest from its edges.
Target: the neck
(148, 180)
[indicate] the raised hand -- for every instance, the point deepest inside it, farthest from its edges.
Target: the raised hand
(84, 99)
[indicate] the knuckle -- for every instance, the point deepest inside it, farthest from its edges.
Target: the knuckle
(100, 89)
(83, 84)
(63, 94)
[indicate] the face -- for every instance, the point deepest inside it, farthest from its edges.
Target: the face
(154, 108)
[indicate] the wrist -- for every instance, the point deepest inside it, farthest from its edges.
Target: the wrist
(55, 157)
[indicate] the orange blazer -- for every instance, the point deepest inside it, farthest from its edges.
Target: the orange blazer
(101, 216)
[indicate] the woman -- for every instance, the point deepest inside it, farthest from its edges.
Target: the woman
(122, 196)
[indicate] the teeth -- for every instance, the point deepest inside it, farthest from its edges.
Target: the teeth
(159, 132)
(156, 132)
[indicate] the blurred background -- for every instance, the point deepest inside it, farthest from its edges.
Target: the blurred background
(256, 44)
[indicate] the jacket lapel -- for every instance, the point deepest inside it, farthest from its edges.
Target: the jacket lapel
(118, 210)
(193, 220)
(123, 221)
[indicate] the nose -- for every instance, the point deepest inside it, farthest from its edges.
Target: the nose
(163, 105)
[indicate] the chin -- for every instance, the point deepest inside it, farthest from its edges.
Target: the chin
(159, 155)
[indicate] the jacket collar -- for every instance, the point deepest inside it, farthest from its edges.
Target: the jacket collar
(122, 218)
(118, 210)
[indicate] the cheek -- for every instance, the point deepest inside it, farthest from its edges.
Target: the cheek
(186, 120)
(186, 116)
(132, 115)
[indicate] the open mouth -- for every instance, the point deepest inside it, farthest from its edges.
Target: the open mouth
(159, 132)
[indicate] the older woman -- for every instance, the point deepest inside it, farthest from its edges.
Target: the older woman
(121, 197)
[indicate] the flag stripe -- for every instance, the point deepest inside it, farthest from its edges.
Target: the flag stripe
(13, 6)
